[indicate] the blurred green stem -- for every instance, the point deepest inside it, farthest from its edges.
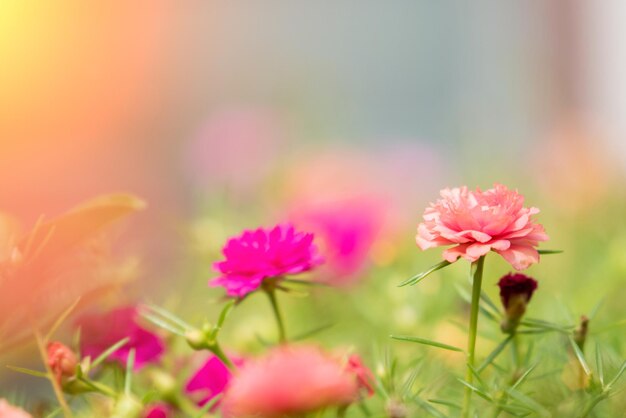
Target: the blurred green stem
(217, 350)
(476, 271)
(271, 294)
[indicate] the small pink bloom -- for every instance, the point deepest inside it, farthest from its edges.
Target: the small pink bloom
(348, 228)
(289, 381)
(364, 376)
(210, 380)
(101, 331)
(62, 360)
(158, 410)
(9, 411)
(477, 222)
(258, 254)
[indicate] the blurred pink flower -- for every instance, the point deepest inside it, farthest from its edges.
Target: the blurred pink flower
(477, 222)
(262, 253)
(101, 331)
(210, 380)
(235, 147)
(364, 376)
(9, 411)
(158, 410)
(347, 228)
(289, 381)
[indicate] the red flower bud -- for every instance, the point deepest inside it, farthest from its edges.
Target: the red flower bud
(516, 290)
(62, 360)
(364, 376)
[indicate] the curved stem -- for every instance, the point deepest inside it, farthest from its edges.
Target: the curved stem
(476, 272)
(217, 350)
(271, 294)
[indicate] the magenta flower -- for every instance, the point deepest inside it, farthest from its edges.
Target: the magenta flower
(101, 331)
(289, 381)
(210, 380)
(259, 254)
(348, 228)
(477, 222)
(158, 410)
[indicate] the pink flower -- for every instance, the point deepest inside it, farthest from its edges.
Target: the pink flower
(158, 410)
(210, 380)
(101, 331)
(9, 411)
(289, 381)
(62, 360)
(263, 253)
(364, 376)
(477, 222)
(348, 228)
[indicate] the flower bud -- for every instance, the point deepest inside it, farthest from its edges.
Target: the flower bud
(62, 361)
(516, 290)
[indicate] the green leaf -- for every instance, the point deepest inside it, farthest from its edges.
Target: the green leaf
(207, 406)
(61, 319)
(617, 376)
(109, 351)
(428, 408)
(55, 412)
(445, 403)
(421, 276)
(168, 315)
(426, 342)
(546, 252)
(496, 351)
(524, 376)
(312, 332)
(600, 365)
(528, 402)
(130, 364)
(158, 321)
(31, 372)
(478, 391)
(305, 282)
(580, 356)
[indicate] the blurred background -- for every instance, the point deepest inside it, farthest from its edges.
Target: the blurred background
(231, 114)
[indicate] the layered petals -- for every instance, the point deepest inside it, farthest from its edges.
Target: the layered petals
(259, 254)
(477, 222)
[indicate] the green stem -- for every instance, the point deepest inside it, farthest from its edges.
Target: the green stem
(476, 272)
(271, 294)
(217, 350)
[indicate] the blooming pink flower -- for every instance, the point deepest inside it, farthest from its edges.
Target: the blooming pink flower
(62, 360)
(289, 381)
(210, 380)
(348, 228)
(101, 331)
(477, 222)
(262, 253)
(158, 410)
(9, 411)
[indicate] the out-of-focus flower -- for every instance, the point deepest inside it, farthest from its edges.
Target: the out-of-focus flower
(235, 148)
(289, 381)
(210, 380)
(47, 269)
(101, 331)
(347, 229)
(9, 411)
(158, 410)
(516, 290)
(259, 254)
(477, 222)
(62, 360)
(364, 376)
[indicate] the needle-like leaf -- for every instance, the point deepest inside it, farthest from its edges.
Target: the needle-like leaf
(421, 276)
(426, 342)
